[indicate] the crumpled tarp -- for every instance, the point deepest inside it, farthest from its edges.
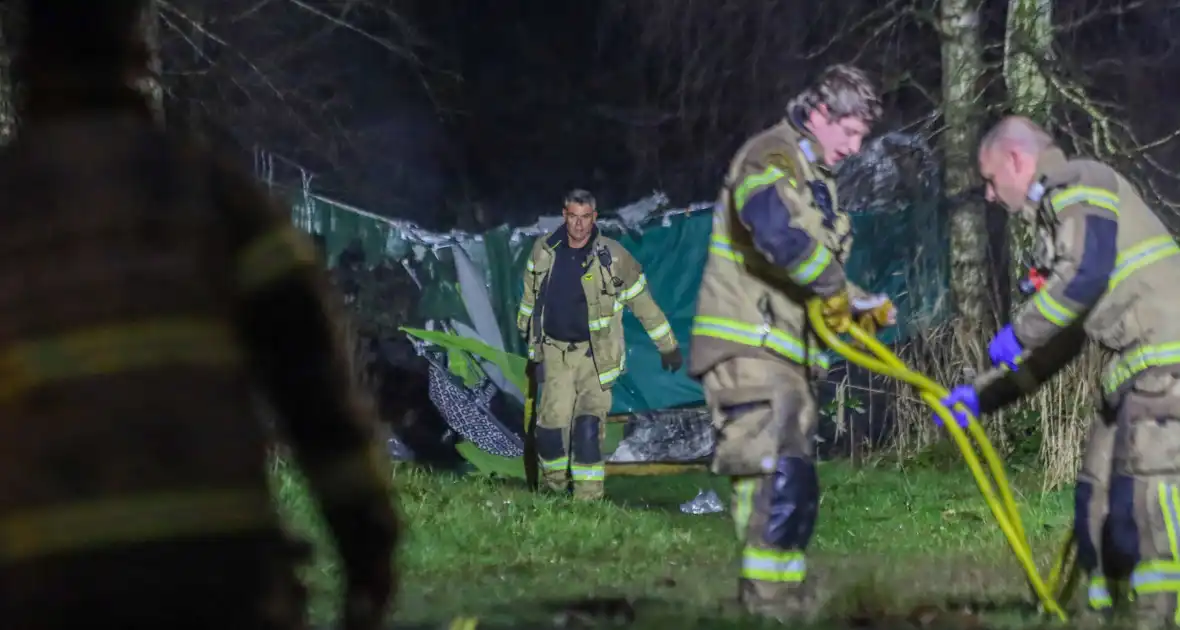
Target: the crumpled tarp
(669, 435)
(483, 317)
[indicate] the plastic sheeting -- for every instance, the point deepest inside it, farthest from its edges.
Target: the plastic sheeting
(670, 435)
(891, 188)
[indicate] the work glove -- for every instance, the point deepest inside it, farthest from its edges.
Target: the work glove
(1005, 348)
(671, 360)
(874, 312)
(837, 312)
(964, 395)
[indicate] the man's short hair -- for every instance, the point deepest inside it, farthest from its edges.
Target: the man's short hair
(1017, 131)
(845, 90)
(580, 197)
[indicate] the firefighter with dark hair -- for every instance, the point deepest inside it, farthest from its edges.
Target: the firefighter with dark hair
(576, 284)
(150, 291)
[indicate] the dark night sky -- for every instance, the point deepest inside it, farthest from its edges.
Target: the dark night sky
(527, 98)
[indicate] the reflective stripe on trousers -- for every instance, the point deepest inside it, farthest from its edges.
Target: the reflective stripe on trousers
(587, 472)
(767, 565)
(1098, 595)
(1163, 576)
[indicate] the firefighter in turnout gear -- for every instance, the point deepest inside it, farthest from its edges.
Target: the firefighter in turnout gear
(576, 283)
(151, 291)
(778, 239)
(1111, 267)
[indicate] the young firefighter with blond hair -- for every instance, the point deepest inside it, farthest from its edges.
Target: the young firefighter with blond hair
(778, 239)
(1111, 268)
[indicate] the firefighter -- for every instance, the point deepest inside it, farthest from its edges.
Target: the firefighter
(778, 239)
(576, 283)
(149, 292)
(1110, 265)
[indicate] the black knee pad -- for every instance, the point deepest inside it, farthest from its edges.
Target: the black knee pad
(1123, 530)
(549, 444)
(1083, 493)
(584, 440)
(793, 502)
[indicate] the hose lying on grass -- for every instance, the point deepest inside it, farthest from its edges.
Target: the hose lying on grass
(996, 491)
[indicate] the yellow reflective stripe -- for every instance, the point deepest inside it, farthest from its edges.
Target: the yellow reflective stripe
(103, 350)
(757, 336)
(561, 463)
(1052, 310)
(609, 376)
(1162, 576)
(525, 309)
(1097, 197)
(142, 518)
(1098, 595)
(659, 332)
(530, 266)
(1141, 255)
(1140, 359)
(587, 472)
(807, 271)
(743, 505)
(767, 177)
(634, 289)
(352, 475)
(773, 566)
(723, 247)
(272, 256)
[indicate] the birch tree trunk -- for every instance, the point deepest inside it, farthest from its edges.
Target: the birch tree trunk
(1028, 41)
(962, 73)
(151, 85)
(7, 89)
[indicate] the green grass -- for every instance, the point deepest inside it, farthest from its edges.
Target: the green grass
(889, 538)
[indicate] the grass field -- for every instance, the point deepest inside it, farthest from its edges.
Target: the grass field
(890, 538)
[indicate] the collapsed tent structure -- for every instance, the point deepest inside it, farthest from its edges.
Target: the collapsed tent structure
(469, 285)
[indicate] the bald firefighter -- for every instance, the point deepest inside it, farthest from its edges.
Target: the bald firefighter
(576, 283)
(778, 239)
(1111, 268)
(149, 292)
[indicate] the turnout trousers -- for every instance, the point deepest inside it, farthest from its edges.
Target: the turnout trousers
(1127, 503)
(765, 415)
(246, 581)
(572, 409)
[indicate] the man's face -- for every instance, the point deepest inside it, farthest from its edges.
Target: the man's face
(1007, 174)
(837, 138)
(579, 220)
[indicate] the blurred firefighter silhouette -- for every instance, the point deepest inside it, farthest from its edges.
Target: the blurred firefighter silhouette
(149, 292)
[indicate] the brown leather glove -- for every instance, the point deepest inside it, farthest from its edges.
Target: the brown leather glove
(837, 312)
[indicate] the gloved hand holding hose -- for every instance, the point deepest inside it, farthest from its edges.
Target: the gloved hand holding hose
(871, 312)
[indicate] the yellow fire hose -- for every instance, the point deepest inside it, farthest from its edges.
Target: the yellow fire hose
(1003, 507)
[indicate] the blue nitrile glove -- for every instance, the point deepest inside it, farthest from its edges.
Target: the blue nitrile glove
(1005, 348)
(968, 397)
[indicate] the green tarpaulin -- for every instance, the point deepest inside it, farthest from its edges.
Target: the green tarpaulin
(898, 253)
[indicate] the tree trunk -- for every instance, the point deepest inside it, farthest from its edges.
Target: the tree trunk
(962, 74)
(1028, 41)
(151, 85)
(7, 89)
